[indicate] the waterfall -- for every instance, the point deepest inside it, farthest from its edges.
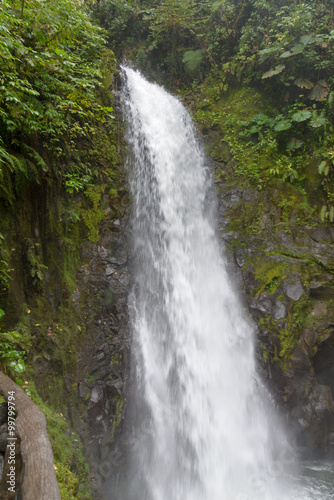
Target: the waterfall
(203, 424)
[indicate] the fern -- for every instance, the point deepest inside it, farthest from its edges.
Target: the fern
(192, 59)
(14, 163)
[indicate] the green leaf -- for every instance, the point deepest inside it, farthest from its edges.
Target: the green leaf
(274, 71)
(323, 213)
(331, 214)
(265, 53)
(260, 118)
(307, 39)
(301, 116)
(318, 121)
(286, 54)
(295, 144)
(320, 91)
(321, 167)
(282, 125)
(298, 49)
(18, 366)
(2, 313)
(303, 83)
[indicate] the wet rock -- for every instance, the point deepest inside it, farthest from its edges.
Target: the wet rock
(321, 291)
(321, 400)
(322, 234)
(110, 270)
(240, 257)
(293, 287)
(96, 395)
(83, 390)
(124, 278)
(319, 309)
(103, 304)
(231, 197)
(279, 310)
(263, 304)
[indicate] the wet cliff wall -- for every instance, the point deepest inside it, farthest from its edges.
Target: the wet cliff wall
(63, 198)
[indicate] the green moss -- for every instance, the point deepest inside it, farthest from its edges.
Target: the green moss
(265, 353)
(270, 273)
(92, 219)
(298, 319)
(118, 412)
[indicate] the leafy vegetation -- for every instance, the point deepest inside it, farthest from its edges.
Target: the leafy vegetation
(50, 72)
(283, 51)
(13, 352)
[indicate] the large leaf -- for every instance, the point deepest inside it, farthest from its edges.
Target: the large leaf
(282, 125)
(286, 54)
(301, 116)
(296, 49)
(295, 144)
(322, 167)
(303, 83)
(331, 214)
(318, 120)
(273, 71)
(320, 91)
(265, 53)
(18, 366)
(307, 39)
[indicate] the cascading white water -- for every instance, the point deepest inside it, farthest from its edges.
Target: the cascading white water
(204, 429)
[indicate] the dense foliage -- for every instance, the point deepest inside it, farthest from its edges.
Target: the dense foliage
(54, 110)
(49, 70)
(284, 50)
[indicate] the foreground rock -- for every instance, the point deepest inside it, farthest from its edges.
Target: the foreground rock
(39, 478)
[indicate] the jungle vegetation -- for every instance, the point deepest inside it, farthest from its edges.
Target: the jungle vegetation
(261, 72)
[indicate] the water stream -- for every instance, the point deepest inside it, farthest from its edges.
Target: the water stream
(203, 425)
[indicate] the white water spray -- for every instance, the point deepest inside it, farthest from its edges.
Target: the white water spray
(205, 431)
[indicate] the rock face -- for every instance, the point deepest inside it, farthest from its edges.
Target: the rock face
(101, 295)
(93, 392)
(286, 276)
